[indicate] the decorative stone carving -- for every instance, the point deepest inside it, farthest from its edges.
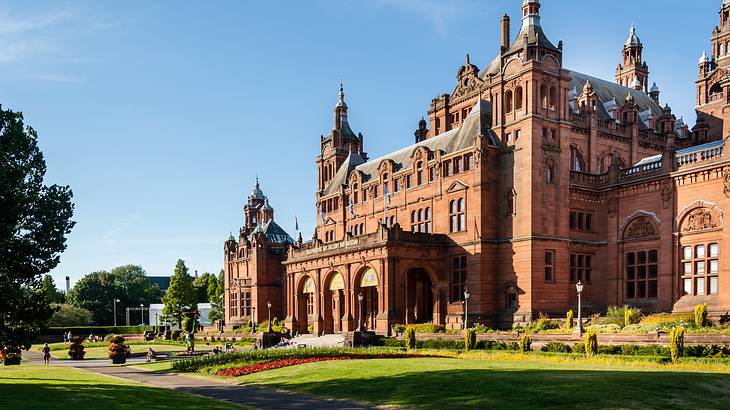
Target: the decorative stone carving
(698, 220)
(666, 194)
(640, 228)
(726, 183)
(510, 198)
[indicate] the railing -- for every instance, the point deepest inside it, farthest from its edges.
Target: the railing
(641, 170)
(716, 97)
(579, 177)
(685, 158)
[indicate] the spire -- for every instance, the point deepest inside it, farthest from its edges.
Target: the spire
(633, 39)
(341, 97)
(704, 58)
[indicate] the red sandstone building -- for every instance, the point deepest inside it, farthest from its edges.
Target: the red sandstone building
(527, 178)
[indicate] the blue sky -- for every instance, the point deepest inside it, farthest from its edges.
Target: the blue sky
(160, 114)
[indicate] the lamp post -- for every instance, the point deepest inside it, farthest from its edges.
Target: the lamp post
(359, 312)
(466, 308)
(157, 323)
(268, 305)
(141, 313)
(115, 311)
(253, 319)
(579, 289)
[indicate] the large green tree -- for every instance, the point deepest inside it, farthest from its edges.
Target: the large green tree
(201, 287)
(180, 296)
(69, 315)
(215, 295)
(34, 221)
(48, 288)
(96, 292)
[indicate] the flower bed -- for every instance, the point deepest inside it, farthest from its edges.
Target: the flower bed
(277, 364)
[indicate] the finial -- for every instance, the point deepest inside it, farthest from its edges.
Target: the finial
(632, 29)
(467, 59)
(257, 181)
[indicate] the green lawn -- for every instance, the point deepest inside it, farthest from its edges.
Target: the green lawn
(55, 387)
(502, 382)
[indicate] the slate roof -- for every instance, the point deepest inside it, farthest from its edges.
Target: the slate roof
(450, 141)
(610, 95)
(272, 232)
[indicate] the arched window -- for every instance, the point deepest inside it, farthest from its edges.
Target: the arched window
(428, 220)
(553, 98)
(576, 160)
(355, 194)
(550, 171)
(456, 215)
(419, 173)
(543, 96)
(414, 222)
(386, 188)
(508, 101)
(421, 226)
(518, 98)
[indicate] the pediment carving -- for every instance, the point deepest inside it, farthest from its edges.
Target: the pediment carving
(700, 219)
(641, 228)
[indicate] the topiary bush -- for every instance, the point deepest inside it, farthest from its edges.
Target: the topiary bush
(117, 351)
(631, 316)
(427, 328)
(569, 319)
(676, 343)
(591, 342)
(470, 339)
(525, 344)
(556, 347)
(410, 338)
(701, 315)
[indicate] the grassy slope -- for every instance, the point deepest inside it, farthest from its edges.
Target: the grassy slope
(54, 387)
(493, 383)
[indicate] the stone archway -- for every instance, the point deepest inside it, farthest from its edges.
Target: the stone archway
(367, 286)
(419, 297)
(306, 310)
(334, 303)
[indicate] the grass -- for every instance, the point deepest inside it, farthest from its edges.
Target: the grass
(55, 387)
(506, 381)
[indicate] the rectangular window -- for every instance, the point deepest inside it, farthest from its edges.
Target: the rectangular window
(397, 185)
(365, 194)
(408, 181)
(581, 267)
(449, 170)
(517, 135)
(545, 134)
(549, 266)
(642, 271)
(581, 221)
(468, 162)
(458, 278)
(457, 165)
(700, 267)
(431, 174)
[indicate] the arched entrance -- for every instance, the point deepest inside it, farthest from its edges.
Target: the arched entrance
(419, 297)
(306, 314)
(367, 287)
(334, 302)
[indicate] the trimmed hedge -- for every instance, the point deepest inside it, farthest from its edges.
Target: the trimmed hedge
(449, 344)
(98, 330)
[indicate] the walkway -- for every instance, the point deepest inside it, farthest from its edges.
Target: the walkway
(251, 396)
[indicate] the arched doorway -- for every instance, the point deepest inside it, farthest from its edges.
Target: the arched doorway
(368, 288)
(306, 314)
(419, 297)
(334, 302)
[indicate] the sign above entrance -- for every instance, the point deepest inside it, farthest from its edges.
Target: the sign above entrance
(337, 283)
(369, 278)
(332, 247)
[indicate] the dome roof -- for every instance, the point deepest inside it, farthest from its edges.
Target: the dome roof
(257, 193)
(703, 57)
(654, 88)
(633, 39)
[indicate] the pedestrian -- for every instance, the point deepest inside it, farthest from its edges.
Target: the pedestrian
(46, 354)
(151, 355)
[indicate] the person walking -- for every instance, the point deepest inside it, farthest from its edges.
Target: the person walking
(46, 354)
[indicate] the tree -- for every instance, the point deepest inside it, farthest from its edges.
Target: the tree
(34, 222)
(201, 287)
(215, 295)
(49, 290)
(69, 315)
(96, 292)
(180, 295)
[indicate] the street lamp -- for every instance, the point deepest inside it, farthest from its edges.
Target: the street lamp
(157, 323)
(579, 289)
(253, 319)
(268, 305)
(466, 308)
(141, 311)
(359, 312)
(115, 311)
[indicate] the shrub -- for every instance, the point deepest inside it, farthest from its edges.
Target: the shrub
(310, 329)
(69, 315)
(569, 319)
(616, 315)
(175, 334)
(480, 328)
(470, 339)
(410, 338)
(556, 347)
(676, 343)
(398, 329)
(98, 330)
(611, 328)
(591, 342)
(701, 315)
(525, 343)
(631, 316)
(116, 347)
(579, 347)
(427, 328)
(667, 318)
(541, 324)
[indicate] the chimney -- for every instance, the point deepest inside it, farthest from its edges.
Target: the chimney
(505, 32)
(68, 284)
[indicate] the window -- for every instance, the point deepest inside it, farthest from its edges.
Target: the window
(544, 134)
(408, 181)
(549, 266)
(233, 311)
(431, 174)
(550, 171)
(457, 221)
(468, 162)
(581, 221)
(641, 274)
(246, 303)
(386, 188)
(518, 98)
(543, 97)
(508, 101)
(553, 98)
(419, 173)
(700, 267)
(581, 267)
(449, 170)
(421, 220)
(553, 135)
(458, 278)
(310, 303)
(396, 182)
(576, 160)
(457, 165)
(517, 134)
(354, 195)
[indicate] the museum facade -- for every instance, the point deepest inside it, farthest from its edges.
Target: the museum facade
(527, 178)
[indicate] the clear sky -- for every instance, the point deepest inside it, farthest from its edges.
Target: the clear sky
(160, 114)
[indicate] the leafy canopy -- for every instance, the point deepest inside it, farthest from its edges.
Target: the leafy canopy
(35, 220)
(180, 296)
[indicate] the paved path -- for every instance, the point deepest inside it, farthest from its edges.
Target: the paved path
(256, 397)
